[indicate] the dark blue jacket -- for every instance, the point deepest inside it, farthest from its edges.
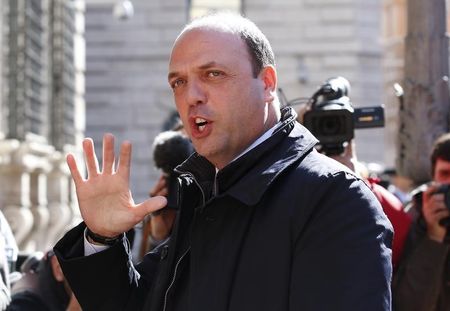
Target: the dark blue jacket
(282, 228)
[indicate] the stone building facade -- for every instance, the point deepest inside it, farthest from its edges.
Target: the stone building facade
(41, 116)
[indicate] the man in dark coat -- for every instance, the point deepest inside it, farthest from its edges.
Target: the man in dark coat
(42, 287)
(265, 222)
(422, 282)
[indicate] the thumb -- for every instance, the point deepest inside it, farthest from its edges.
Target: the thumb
(150, 205)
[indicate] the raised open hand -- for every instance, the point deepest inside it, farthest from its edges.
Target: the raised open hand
(104, 198)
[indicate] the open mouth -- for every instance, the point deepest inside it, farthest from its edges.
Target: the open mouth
(201, 124)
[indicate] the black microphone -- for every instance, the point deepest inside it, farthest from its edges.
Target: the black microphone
(170, 149)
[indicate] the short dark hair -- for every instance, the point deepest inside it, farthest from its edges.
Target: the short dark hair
(441, 150)
(261, 53)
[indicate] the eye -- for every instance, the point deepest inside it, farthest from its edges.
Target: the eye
(214, 73)
(177, 83)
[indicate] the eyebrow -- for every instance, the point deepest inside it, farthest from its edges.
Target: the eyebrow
(172, 74)
(209, 65)
(202, 67)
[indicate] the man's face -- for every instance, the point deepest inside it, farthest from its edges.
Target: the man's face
(442, 171)
(222, 105)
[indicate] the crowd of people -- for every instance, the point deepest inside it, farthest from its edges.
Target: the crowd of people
(251, 217)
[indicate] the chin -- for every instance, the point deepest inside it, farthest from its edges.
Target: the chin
(204, 152)
(208, 154)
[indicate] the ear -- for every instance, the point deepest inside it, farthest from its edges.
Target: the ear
(56, 269)
(268, 76)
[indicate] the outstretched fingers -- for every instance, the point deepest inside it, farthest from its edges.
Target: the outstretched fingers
(90, 157)
(125, 160)
(74, 169)
(108, 154)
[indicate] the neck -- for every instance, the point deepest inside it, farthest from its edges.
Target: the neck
(272, 115)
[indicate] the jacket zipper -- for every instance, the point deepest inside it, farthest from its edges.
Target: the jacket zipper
(173, 278)
(184, 254)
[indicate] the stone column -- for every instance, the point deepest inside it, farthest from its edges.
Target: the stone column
(58, 199)
(15, 190)
(37, 238)
(425, 113)
(36, 153)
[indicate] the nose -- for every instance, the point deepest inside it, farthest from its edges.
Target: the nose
(196, 93)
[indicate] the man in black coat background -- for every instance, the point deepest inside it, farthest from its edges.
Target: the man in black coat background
(265, 222)
(42, 286)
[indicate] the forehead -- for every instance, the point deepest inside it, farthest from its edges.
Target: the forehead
(442, 165)
(200, 45)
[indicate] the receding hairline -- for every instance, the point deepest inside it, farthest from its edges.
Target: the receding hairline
(222, 22)
(258, 46)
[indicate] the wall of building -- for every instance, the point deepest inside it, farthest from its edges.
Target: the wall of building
(40, 110)
(2, 21)
(393, 34)
(127, 92)
(317, 39)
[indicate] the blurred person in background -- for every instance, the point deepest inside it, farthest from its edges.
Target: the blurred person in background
(42, 286)
(398, 185)
(423, 279)
(400, 220)
(8, 258)
(391, 205)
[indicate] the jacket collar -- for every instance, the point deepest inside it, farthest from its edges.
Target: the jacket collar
(248, 177)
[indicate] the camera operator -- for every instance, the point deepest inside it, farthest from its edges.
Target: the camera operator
(331, 118)
(423, 279)
(42, 286)
(391, 205)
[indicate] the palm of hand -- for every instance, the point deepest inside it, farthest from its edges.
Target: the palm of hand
(106, 204)
(104, 198)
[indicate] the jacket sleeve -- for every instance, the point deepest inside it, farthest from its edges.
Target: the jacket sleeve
(342, 255)
(106, 280)
(26, 301)
(419, 280)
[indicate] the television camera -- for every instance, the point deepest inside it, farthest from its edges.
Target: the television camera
(332, 119)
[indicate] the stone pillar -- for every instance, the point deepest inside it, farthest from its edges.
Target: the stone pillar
(36, 154)
(15, 190)
(425, 113)
(58, 199)
(37, 238)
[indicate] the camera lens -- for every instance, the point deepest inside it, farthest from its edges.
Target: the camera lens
(331, 125)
